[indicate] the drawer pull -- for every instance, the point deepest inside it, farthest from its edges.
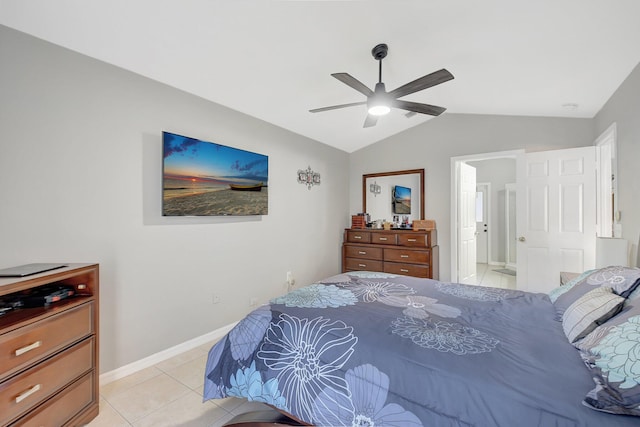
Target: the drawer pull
(383, 239)
(362, 252)
(357, 237)
(362, 265)
(27, 348)
(404, 270)
(412, 240)
(404, 256)
(22, 396)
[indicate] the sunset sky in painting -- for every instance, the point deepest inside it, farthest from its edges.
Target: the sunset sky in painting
(187, 157)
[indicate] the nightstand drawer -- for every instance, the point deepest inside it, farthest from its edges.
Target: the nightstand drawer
(366, 252)
(363, 264)
(26, 345)
(60, 408)
(27, 390)
(407, 255)
(407, 269)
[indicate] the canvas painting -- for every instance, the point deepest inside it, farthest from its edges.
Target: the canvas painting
(206, 179)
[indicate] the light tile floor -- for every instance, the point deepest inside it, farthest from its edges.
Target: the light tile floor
(167, 394)
(170, 393)
(486, 276)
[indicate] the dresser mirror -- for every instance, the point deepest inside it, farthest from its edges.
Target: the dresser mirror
(398, 194)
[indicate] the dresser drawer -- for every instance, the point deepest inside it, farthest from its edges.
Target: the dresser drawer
(27, 390)
(26, 345)
(407, 256)
(414, 240)
(358, 236)
(407, 269)
(58, 410)
(363, 264)
(384, 238)
(366, 252)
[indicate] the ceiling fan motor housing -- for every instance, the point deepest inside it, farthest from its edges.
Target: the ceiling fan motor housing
(379, 52)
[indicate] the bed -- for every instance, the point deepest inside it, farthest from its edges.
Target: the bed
(366, 348)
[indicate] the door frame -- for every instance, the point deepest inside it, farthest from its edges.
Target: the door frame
(509, 239)
(518, 155)
(487, 209)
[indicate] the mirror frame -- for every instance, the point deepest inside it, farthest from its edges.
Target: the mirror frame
(393, 173)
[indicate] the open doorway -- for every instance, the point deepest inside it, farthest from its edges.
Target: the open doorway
(555, 213)
(493, 172)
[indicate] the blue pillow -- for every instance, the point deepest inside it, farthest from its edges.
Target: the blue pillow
(623, 281)
(611, 353)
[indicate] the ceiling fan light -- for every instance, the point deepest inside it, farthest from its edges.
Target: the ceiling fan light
(379, 110)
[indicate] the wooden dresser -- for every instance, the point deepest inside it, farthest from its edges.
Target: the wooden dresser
(408, 252)
(49, 355)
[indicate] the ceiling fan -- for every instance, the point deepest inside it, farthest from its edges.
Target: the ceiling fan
(380, 102)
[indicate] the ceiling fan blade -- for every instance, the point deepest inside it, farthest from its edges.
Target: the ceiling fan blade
(432, 110)
(335, 107)
(423, 82)
(370, 121)
(349, 80)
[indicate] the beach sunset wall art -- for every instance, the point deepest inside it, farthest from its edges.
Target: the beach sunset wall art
(401, 200)
(206, 179)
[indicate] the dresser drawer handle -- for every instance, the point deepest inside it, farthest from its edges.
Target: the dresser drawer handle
(362, 265)
(383, 239)
(404, 270)
(27, 348)
(22, 396)
(412, 240)
(404, 256)
(357, 237)
(362, 253)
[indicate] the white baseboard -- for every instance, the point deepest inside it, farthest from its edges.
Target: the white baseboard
(141, 364)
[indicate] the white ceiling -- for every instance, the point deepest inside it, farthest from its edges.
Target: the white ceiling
(273, 59)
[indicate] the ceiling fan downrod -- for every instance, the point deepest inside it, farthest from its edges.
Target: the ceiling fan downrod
(379, 52)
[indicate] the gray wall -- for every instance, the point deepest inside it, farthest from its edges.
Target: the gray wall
(80, 179)
(432, 144)
(623, 108)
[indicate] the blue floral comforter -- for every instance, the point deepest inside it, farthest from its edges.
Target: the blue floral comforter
(373, 349)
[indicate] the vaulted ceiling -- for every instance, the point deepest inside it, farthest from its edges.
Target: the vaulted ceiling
(273, 60)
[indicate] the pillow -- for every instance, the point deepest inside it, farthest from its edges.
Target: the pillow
(632, 296)
(589, 311)
(623, 280)
(611, 353)
(555, 293)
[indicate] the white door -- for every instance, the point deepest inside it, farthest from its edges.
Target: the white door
(482, 223)
(510, 234)
(557, 231)
(467, 221)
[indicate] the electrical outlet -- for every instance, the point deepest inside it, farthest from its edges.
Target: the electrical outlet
(290, 280)
(215, 298)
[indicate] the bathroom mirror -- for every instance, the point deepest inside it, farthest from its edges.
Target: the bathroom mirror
(387, 194)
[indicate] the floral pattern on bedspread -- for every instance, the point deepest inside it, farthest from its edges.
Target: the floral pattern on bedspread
(293, 354)
(444, 336)
(476, 293)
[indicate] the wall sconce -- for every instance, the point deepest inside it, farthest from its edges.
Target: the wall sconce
(308, 177)
(375, 188)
